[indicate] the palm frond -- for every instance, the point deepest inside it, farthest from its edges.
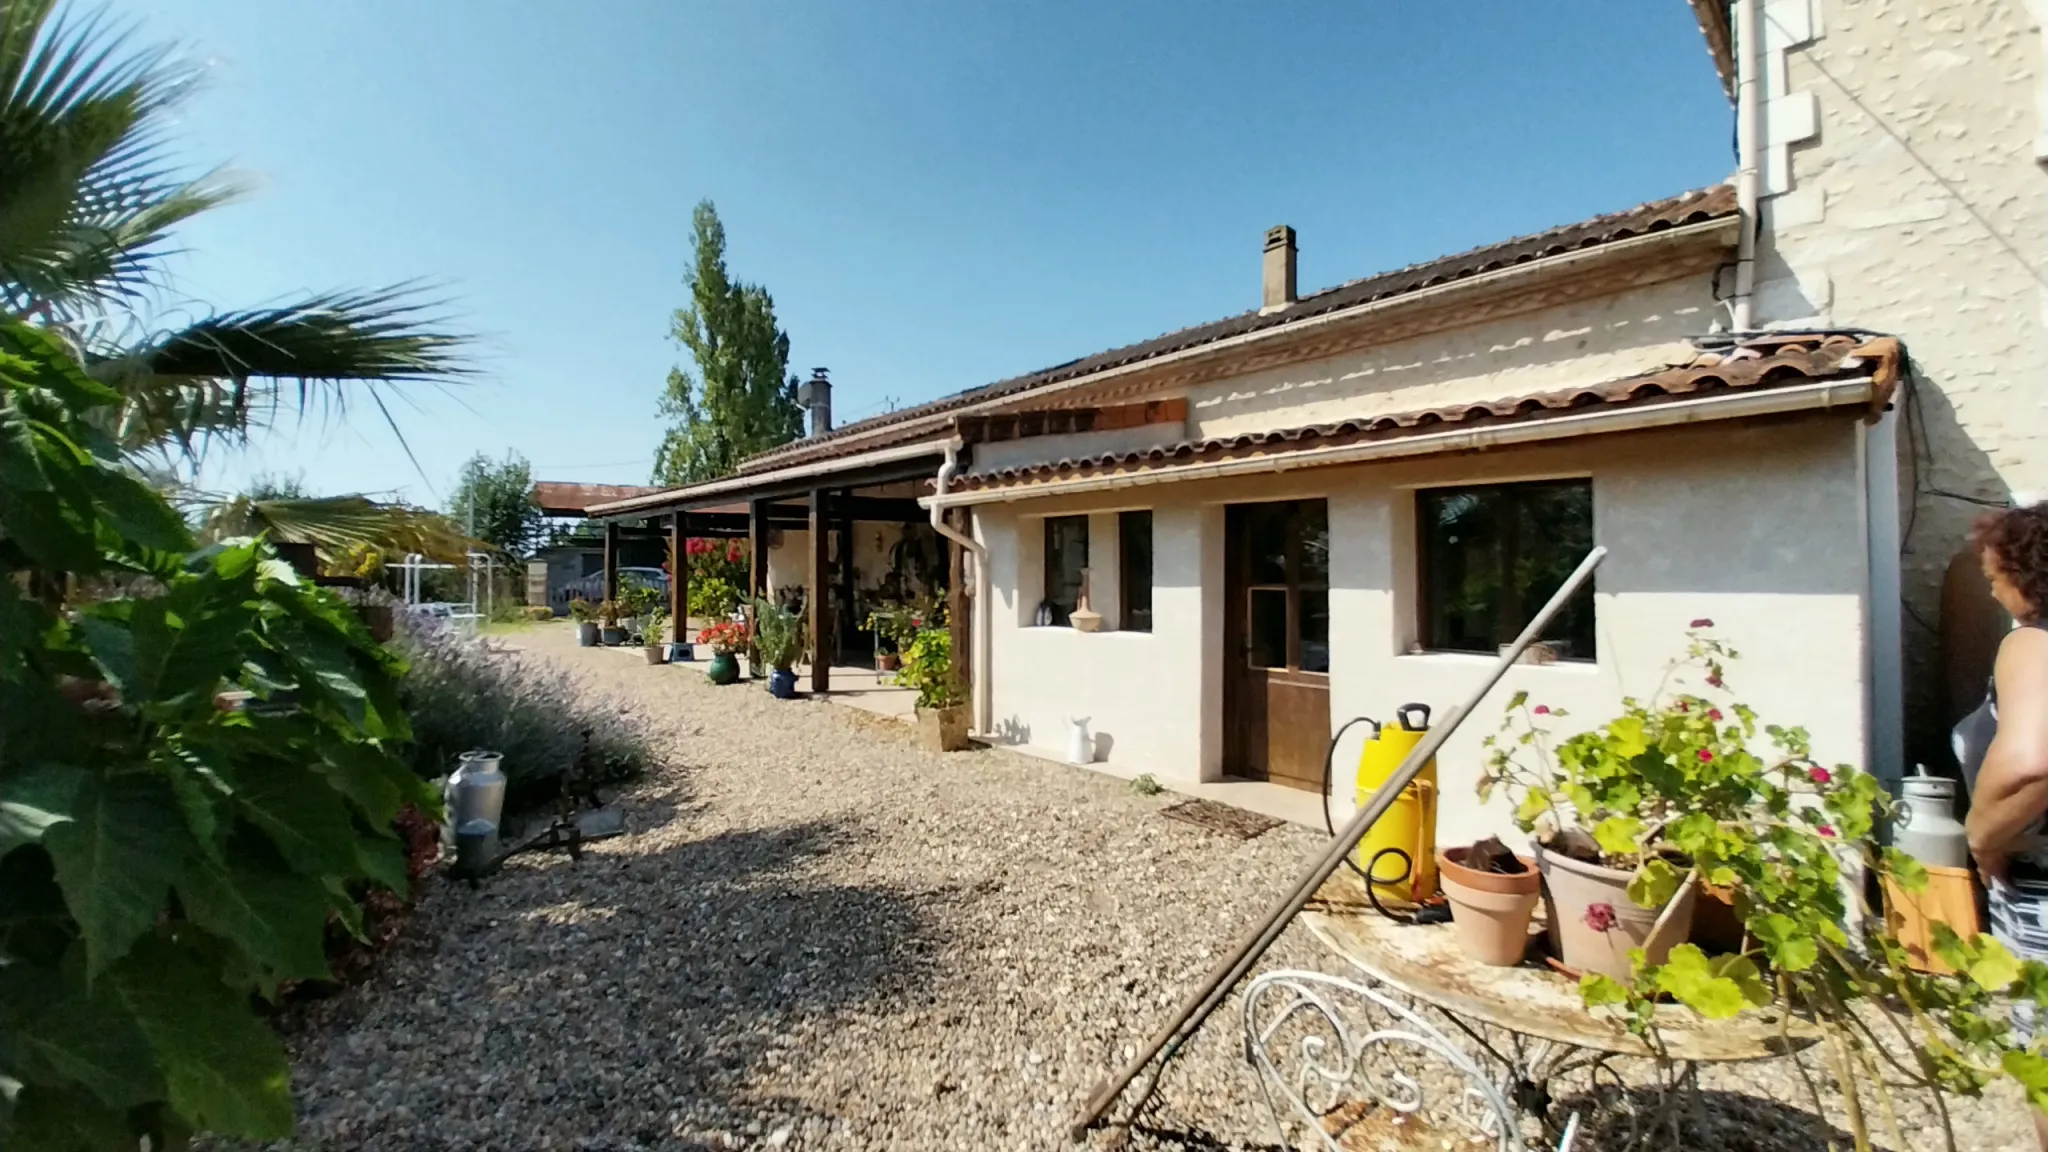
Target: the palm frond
(88, 192)
(331, 524)
(231, 373)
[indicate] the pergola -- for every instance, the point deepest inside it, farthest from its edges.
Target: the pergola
(826, 499)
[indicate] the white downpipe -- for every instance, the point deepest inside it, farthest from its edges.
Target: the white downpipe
(982, 706)
(1749, 144)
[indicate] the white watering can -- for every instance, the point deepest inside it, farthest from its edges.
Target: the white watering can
(1080, 745)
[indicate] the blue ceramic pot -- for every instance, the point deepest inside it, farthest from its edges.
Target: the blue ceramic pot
(724, 669)
(782, 684)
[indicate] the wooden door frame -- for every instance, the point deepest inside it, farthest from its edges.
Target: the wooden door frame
(1237, 591)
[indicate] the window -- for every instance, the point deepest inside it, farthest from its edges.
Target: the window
(1491, 556)
(1066, 554)
(1287, 584)
(1134, 568)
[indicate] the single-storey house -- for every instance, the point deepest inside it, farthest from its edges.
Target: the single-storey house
(1777, 402)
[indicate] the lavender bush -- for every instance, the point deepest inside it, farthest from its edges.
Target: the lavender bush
(461, 696)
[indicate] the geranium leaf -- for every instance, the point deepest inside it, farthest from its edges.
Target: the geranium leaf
(1788, 945)
(1654, 884)
(225, 1070)
(2031, 1070)
(1908, 873)
(1597, 990)
(1617, 835)
(1743, 972)
(1995, 968)
(1690, 980)
(115, 859)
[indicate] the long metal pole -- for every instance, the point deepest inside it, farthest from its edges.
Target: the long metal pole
(1216, 987)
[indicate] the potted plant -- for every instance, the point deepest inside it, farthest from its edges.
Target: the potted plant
(585, 614)
(1493, 894)
(779, 637)
(637, 603)
(725, 638)
(941, 711)
(657, 623)
(609, 630)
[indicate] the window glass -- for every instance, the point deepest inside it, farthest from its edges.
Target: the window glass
(1312, 525)
(1134, 566)
(1268, 627)
(1066, 554)
(1315, 630)
(1266, 542)
(1492, 555)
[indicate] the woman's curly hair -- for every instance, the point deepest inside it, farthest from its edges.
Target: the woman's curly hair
(2018, 540)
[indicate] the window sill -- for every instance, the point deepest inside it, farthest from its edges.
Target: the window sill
(1482, 660)
(1078, 632)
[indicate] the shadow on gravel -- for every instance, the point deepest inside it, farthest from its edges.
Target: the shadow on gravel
(1724, 1122)
(632, 999)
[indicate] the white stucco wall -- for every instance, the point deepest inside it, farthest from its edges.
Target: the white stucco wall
(1910, 198)
(1756, 527)
(1583, 343)
(789, 555)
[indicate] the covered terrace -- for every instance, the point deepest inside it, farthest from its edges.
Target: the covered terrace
(831, 502)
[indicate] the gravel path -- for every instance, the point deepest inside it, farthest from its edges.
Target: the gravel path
(816, 935)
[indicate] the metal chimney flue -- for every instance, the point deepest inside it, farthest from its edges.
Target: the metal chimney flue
(1279, 278)
(815, 395)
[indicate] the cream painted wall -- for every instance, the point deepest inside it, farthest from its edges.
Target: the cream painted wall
(1756, 527)
(1589, 342)
(789, 555)
(1910, 197)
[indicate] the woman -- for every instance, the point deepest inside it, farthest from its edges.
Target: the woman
(2003, 747)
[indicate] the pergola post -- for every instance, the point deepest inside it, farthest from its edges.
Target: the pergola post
(678, 573)
(820, 593)
(842, 620)
(611, 560)
(757, 576)
(957, 609)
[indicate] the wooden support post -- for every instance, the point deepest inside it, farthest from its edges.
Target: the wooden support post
(842, 621)
(611, 560)
(678, 574)
(757, 575)
(820, 594)
(957, 609)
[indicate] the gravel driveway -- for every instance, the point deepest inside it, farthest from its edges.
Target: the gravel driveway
(816, 935)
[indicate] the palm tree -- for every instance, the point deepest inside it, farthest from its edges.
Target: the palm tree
(89, 198)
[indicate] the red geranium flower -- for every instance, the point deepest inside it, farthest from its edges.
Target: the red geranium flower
(1713, 713)
(1819, 775)
(1706, 757)
(1600, 917)
(1542, 709)
(1702, 622)
(1827, 830)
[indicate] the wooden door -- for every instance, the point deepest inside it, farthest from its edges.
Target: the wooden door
(1276, 688)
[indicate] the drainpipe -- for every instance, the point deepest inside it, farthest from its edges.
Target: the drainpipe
(1749, 132)
(983, 705)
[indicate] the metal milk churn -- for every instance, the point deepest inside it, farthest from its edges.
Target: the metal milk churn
(1927, 829)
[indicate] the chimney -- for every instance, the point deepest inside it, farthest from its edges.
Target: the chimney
(815, 395)
(1279, 269)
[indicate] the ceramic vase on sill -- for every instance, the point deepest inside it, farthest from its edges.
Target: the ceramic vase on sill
(1593, 923)
(1084, 618)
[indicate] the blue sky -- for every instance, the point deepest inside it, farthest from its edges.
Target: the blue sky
(937, 194)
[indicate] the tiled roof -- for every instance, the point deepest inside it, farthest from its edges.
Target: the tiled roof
(1705, 204)
(564, 499)
(1755, 365)
(1714, 25)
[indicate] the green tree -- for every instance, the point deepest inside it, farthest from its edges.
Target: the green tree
(741, 400)
(89, 199)
(494, 502)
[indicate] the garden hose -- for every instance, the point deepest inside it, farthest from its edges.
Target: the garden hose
(1435, 912)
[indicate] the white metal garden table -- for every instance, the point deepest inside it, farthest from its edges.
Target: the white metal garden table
(1431, 1050)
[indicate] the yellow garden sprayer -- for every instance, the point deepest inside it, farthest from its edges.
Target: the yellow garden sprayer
(1397, 855)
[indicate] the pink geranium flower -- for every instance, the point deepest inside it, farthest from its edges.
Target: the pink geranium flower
(1600, 917)
(1819, 775)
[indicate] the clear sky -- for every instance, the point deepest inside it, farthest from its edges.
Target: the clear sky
(938, 194)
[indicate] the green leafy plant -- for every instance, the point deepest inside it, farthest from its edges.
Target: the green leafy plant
(582, 611)
(713, 598)
(608, 613)
(779, 635)
(1681, 778)
(197, 774)
(539, 613)
(656, 624)
(897, 624)
(637, 599)
(1144, 784)
(928, 667)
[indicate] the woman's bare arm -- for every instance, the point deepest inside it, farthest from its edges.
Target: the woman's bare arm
(2012, 787)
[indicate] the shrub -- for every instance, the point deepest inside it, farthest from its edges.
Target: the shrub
(928, 667)
(713, 598)
(582, 611)
(539, 613)
(198, 773)
(463, 696)
(778, 633)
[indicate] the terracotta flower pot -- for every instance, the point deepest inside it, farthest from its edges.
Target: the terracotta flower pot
(943, 729)
(1490, 910)
(656, 653)
(1593, 923)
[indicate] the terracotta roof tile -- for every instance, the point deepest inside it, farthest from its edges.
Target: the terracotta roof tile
(1756, 364)
(1711, 203)
(564, 499)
